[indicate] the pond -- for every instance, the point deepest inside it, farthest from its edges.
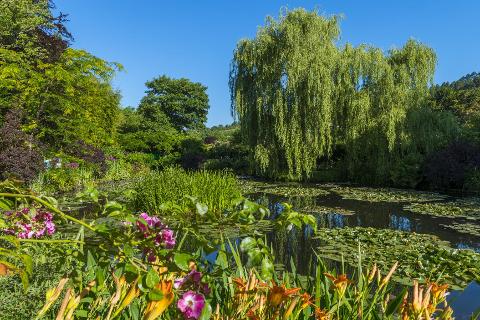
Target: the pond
(347, 214)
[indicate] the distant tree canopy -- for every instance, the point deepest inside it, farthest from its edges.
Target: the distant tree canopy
(298, 96)
(183, 102)
(462, 97)
(65, 94)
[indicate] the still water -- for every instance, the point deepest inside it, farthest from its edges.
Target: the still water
(298, 246)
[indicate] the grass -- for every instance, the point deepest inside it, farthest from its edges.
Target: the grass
(216, 189)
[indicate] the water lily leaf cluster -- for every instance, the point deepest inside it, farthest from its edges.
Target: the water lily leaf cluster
(386, 194)
(465, 228)
(420, 256)
(467, 208)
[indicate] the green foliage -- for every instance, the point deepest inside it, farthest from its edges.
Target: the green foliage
(152, 134)
(462, 97)
(298, 96)
(49, 265)
(421, 256)
(61, 180)
(182, 102)
(468, 208)
(384, 194)
(217, 190)
(65, 93)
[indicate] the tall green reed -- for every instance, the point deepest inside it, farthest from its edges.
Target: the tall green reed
(218, 190)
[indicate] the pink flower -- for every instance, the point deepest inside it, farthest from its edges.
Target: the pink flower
(191, 305)
(50, 227)
(194, 276)
(168, 238)
(30, 223)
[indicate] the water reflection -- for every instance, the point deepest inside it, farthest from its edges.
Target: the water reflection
(297, 245)
(400, 223)
(379, 215)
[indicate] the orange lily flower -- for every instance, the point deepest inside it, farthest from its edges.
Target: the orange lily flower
(3, 269)
(278, 294)
(306, 300)
(321, 314)
(156, 308)
(340, 283)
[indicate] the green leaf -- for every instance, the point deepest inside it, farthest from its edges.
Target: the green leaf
(395, 303)
(182, 260)
(131, 268)
(81, 313)
(248, 244)
(155, 295)
(113, 209)
(90, 260)
(267, 268)
(128, 250)
(206, 312)
(201, 208)
(222, 260)
(151, 278)
(6, 204)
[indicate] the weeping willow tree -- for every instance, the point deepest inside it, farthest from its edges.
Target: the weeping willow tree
(297, 95)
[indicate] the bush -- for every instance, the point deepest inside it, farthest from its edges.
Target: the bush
(118, 170)
(451, 167)
(217, 190)
(63, 180)
(19, 157)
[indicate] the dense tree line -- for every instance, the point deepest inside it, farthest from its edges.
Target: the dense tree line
(56, 101)
(303, 101)
(307, 108)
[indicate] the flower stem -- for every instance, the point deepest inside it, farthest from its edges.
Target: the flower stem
(49, 206)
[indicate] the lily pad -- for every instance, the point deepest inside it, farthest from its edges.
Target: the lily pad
(385, 194)
(420, 256)
(467, 208)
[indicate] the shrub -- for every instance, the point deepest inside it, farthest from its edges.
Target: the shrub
(118, 170)
(450, 167)
(217, 190)
(19, 155)
(63, 180)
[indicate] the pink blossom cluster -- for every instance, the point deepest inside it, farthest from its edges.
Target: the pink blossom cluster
(29, 223)
(151, 227)
(193, 300)
(191, 305)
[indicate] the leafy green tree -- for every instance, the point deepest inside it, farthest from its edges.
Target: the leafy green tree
(298, 96)
(30, 27)
(65, 94)
(153, 134)
(462, 97)
(183, 102)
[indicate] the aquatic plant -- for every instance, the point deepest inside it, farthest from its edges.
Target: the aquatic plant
(422, 256)
(385, 194)
(468, 208)
(465, 228)
(326, 209)
(216, 190)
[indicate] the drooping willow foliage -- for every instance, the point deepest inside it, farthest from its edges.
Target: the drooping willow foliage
(298, 95)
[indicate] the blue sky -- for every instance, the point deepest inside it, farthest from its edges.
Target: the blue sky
(195, 39)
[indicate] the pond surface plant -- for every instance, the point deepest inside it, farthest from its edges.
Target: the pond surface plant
(386, 194)
(421, 256)
(283, 189)
(465, 228)
(468, 208)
